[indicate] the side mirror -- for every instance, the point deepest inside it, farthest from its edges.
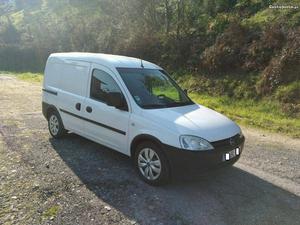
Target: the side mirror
(117, 100)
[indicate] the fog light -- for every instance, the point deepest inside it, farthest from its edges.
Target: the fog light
(227, 156)
(237, 151)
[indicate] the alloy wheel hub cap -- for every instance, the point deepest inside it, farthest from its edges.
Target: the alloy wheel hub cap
(149, 164)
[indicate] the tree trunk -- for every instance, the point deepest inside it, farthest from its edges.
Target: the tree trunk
(167, 16)
(180, 16)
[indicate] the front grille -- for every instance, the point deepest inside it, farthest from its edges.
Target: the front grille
(228, 142)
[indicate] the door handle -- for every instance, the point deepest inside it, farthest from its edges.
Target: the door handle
(89, 109)
(78, 106)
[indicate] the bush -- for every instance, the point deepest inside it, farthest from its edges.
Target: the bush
(227, 53)
(144, 46)
(220, 23)
(289, 93)
(232, 86)
(290, 109)
(284, 68)
(289, 97)
(14, 58)
(264, 46)
(244, 90)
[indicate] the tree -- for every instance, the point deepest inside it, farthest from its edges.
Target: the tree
(10, 34)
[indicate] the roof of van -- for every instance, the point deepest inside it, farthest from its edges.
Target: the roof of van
(104, 59)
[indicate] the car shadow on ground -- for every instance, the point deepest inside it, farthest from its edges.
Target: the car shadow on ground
(229, 196)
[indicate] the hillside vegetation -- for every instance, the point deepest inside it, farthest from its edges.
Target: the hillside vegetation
(241, 50)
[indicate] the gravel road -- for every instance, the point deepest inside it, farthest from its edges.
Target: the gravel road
(75, 181)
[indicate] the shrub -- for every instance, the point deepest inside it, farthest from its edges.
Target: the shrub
(14, 58)
(247, 8)
(284, 68)
(290, 109)
(264, 46)
(220, 22)
(289, 93)
(199, 84)
(177, 52)
(227, 53)
(244, 90)
(289, 97)
(228, 85)
(144, 46)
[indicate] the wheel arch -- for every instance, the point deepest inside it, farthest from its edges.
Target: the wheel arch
(47, 109)
(143, 138)
(149, 138)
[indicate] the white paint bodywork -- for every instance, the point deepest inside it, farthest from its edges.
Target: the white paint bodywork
(69, 74)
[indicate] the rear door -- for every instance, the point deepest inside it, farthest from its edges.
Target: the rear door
(105, 124)
(73, 80)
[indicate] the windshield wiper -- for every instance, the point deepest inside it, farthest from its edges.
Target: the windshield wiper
(174, 104)
(171, 104)
(153, 106)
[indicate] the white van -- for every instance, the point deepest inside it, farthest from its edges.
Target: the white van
(133, 106)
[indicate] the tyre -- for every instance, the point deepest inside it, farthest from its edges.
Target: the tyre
(55, 125)
(151, 164)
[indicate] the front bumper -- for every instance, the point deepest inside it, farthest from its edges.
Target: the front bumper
(181, 160)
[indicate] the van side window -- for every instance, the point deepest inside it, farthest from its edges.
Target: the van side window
(101, 85)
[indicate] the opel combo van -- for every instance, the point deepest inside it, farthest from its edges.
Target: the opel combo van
(134, 107)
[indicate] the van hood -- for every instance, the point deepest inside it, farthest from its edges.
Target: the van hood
(194, 120)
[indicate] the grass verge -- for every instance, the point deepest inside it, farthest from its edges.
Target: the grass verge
(31, 77)
(265, 114)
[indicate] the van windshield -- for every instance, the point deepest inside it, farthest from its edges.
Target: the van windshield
(153, 88)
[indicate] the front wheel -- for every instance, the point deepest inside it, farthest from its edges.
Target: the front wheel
(151, 164)
(55, 125)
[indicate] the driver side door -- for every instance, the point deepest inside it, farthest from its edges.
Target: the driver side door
(105, 124)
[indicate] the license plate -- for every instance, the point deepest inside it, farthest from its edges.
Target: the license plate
(229, 155)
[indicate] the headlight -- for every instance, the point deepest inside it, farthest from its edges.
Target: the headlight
(241, 135)
(194, 143)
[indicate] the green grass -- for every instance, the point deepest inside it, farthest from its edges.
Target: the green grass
(267, 16)
(265, 114)
(31, 77)
(51, 212)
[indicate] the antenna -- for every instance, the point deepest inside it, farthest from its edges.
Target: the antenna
(142, 65)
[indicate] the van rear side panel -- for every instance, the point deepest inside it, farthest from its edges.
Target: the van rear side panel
(73, 77)
(51, 80)
(69, 80)
(66, 75)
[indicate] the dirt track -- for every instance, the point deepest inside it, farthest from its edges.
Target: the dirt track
(75, 181)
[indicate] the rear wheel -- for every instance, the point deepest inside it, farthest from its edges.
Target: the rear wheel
(151, 164)
(55, 125)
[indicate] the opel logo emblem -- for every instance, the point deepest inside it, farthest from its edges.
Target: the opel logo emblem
(232, 141)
